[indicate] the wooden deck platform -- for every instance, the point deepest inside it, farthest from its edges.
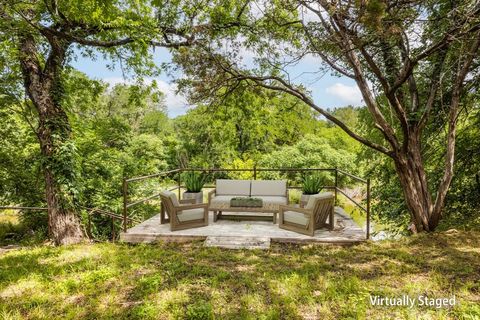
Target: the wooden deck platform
(346, 231)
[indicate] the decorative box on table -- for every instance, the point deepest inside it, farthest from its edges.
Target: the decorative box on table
(246, 202)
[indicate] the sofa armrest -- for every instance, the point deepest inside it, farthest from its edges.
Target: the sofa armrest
(211, 194)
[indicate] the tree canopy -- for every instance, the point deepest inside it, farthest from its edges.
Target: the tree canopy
(415, 63)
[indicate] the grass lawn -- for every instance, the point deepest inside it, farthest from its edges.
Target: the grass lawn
(188, 281)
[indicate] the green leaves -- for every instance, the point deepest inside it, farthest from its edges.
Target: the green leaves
(312, 184)
(194, 181)
(246, 124)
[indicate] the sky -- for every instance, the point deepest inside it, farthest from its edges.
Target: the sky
(327, 91)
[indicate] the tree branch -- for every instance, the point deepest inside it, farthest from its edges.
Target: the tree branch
(289, 89)
(361, 81)
(453, 115)
(448, 38)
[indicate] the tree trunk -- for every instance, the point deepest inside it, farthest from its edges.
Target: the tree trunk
(63, 223)
(413, 179)
(42, 85)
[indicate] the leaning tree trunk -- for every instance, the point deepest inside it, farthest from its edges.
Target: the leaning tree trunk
(42, 86)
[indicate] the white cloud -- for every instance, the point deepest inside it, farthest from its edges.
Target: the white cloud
(115, 80)
(176, 103)
(347, 94)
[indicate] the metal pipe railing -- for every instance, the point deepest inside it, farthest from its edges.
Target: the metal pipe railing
(91, 211)
(163, 173)
(22, 208)
(352, 176)
(348, 197)
(143, 200)
(254, 170)
(368, 209)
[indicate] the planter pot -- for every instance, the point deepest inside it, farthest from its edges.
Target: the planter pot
(198, 196)
(304, 200)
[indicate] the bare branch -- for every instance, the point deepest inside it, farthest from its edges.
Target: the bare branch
(450, 36)
(451, 135)
(434, 85)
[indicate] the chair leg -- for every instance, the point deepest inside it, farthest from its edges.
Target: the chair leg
(311, 227)
(162, 214)
(331, 220)
(205, 216)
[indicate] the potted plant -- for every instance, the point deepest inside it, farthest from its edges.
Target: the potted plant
(194, 182)
(311, 185)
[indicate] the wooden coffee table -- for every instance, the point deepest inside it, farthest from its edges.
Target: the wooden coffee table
(218, 209)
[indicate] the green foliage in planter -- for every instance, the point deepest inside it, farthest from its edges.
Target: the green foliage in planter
(312, 184)
(194, 181)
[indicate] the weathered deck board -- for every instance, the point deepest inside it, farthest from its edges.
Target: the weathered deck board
(346, 231)
(238, 242)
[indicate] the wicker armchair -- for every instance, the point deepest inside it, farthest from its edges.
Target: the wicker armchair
(182, 214)
(312, 217)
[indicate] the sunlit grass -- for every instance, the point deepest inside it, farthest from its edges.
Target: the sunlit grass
(9, 225)
(189, 281)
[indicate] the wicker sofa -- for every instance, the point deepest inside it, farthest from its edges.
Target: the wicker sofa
(272, 192)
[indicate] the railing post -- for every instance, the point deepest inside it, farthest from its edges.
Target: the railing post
(179, 182)
(255, 172)
(113, 229)
(336, 185)
(368, 208)
(125, 208)
(89, 226)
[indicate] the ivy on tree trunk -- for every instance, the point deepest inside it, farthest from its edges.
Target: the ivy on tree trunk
(42, 35)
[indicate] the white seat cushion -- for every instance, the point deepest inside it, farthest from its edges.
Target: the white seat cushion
(190, 214)
(269, 188)
(314, 197)
(220, 200)
(232, 187)
(273, 199)
(296, 217)
(172, 196)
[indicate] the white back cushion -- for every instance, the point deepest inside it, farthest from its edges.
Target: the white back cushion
(269, 188)
(314, 197)
(273, 199)
(232, 187)
(172, 196)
